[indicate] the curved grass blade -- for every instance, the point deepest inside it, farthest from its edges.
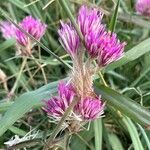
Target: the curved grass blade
(125, 105)
(113, 21)
(133, 133)
(132, 54)
(25, 103)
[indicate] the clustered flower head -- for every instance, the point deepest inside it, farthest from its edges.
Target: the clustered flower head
(143, 7)
(31, 25)
(87, 109)
(100, 45)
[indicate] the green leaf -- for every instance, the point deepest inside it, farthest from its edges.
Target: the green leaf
(133, 133)
(124, 104)
(7, 44)
(115, 142)
(98, 134)
(132, 54)
(113, 21)
(20, 5)
(24, 104)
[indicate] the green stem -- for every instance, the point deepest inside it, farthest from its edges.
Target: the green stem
(19, 76)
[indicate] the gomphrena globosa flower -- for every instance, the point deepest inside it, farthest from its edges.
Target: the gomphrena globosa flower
(102, 46)
(143, 7)
(85, 110)
(69, 38)
(89, 19)
(34, 27)
(56, 106)
(110, 49)
(7, 29)
(24, 44)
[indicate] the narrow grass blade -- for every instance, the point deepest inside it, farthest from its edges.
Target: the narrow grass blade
(98, 134)
(124, 105)
(113, 21)
(25, 103)
(132, 54)
(115, 142)
(133, 133)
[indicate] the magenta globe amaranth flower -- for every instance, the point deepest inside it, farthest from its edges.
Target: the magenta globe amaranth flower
(110, 49)
(7, 29)
(90, 108)
(86, 109)
(33, 27)
(69, 38)
(92, 41)
(56, 106)
(143, 7)
(89, 19)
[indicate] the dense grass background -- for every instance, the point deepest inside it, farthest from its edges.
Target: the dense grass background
(130, 77)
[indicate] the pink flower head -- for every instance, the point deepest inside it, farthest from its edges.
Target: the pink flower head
(7, 29)
(56, 106)
(92, 41)
(21, 38)
(89, 19)
(33, 27)
(110, 49)
(90, 108)
(143, 7)
(69, 38)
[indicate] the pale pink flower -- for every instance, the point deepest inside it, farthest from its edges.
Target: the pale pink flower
(143, 7)
(7, 29)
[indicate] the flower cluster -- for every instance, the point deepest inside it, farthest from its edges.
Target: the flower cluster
(102, 46)
(31, 25)
(143, 7)
(100, 43)
(86, 109)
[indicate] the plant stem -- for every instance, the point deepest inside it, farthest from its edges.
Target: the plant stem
(102, 78)
(18, 77)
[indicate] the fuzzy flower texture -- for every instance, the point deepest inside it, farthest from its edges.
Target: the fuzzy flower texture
(102, 46)
(31, 25)
(143, 7)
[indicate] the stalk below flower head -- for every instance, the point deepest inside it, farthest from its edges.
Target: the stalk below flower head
(69, 38)
(7, 29)
(143, 7)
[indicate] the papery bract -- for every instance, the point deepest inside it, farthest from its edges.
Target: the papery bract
(110, 49)
(89, 19)
(56, 106)
(69, 38)
(90, 108)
